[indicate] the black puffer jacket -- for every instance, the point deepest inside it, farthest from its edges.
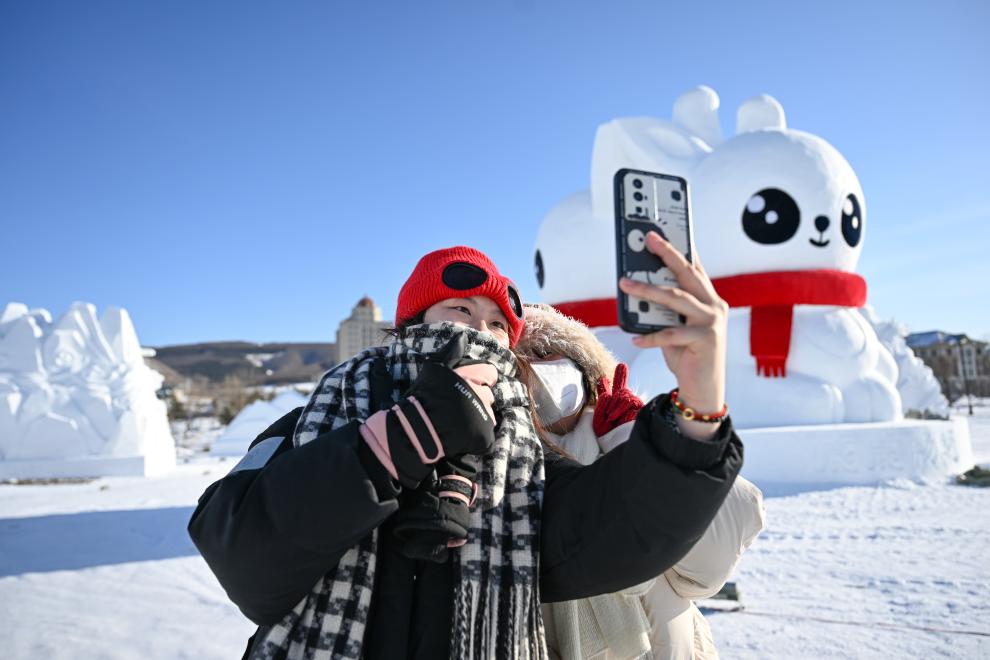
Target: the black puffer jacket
(284, 517)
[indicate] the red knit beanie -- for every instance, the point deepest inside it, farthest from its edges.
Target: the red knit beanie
(459, 272)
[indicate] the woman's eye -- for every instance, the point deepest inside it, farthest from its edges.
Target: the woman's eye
(462, 309)
(498, 324)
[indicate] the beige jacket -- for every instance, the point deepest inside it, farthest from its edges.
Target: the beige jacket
(657, 617)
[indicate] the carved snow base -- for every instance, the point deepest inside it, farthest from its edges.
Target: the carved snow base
(89, 466)
(857, 454)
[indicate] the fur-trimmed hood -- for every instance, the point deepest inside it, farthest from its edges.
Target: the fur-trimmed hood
(548, 332)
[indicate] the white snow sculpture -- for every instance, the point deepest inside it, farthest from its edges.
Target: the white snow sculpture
(779, 207)
(76, 398)
(252, 420)
(779, 221)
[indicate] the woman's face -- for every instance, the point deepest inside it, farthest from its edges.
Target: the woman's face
(566, 424)
(476, 312)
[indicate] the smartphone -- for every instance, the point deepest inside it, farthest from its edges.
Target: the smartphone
(646, 201)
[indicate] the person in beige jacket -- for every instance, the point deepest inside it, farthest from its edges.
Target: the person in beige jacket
(657, 619)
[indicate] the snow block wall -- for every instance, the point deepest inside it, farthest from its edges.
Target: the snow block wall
(76, 398)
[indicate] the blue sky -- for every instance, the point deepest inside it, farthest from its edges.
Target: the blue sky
(210, 166)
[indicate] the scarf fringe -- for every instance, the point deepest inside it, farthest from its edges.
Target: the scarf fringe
(771, 367)
(512, 628)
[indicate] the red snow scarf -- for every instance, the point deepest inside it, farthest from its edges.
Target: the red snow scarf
(771, 295)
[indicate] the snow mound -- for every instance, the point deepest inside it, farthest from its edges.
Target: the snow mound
(254, 419)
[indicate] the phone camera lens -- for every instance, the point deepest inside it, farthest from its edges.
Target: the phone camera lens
(638, 196)
(637, 183)
(676, 194)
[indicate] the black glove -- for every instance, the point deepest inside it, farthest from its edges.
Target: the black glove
(435, 517)
(443, 414)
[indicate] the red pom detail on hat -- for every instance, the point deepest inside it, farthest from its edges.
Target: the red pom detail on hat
(425, 286)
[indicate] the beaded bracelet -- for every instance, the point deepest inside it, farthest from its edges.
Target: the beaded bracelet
(691, 414)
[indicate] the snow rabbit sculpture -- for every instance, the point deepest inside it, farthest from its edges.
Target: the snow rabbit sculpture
(779, 220)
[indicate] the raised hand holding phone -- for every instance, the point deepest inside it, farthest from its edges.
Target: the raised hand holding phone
(695, 351)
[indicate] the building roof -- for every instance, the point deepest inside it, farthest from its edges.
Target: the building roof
(365, 302)
(931, 337)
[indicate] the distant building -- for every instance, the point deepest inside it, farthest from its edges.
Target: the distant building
(363, 328)
(961, 364)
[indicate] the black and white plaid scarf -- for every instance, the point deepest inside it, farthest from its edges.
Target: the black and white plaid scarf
(496, 574)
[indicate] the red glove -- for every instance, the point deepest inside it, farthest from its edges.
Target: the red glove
(616, 403)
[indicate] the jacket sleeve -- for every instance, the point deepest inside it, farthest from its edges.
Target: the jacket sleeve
(706, 567)
(284, 516)
(632, 514)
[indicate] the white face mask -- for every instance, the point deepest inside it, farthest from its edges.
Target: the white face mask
(559, 389)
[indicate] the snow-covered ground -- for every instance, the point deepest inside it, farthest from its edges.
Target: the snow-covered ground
(897, 571)
(903, 565)
(104, 569)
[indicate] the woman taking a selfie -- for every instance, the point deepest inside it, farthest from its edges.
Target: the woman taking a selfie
(585, 408)
(410, 509)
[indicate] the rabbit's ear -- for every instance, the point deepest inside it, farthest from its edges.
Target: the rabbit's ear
(654, 145)
(697, 112)
(760, 112)
(639, 143)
